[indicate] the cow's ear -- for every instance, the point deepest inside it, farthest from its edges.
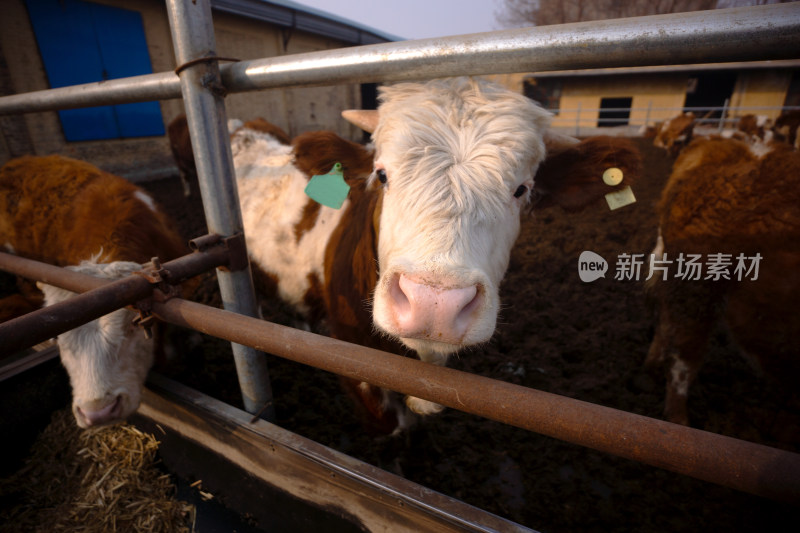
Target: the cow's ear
(366, 119)
(555, 142)
(571, 176)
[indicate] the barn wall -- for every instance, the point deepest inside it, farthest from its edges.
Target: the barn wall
(295, 110)
(763, 88)
(655, 97)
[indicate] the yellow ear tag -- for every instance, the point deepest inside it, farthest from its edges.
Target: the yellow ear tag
(328, 189)
(612, 176)
(620, 198)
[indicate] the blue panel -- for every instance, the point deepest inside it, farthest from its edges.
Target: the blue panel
(83, 42)
(123, 48)
(64, 33)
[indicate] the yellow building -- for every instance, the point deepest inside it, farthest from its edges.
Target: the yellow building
(637, 97)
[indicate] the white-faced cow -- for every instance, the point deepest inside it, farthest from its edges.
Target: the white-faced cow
(67, 212)
(728, 205)
(414, 257)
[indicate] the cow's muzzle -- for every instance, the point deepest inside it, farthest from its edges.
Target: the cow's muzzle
(433, 309)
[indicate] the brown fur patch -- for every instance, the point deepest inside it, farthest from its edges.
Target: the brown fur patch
(265, 284)
(379, 419)
(260, 124)
(308, 220)
(62, 211)
(315, 300)
(181, 146)
(670, 132)
(573, 178)
(316, 153)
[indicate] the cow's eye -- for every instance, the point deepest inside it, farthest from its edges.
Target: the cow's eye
(381, 173)
(522, 189)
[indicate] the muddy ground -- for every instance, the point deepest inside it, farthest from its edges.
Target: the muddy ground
(586, 341)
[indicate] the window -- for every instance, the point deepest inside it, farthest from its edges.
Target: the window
(83, 42)
(614, 112)
(709, 92)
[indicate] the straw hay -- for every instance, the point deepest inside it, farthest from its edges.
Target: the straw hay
(96, 480)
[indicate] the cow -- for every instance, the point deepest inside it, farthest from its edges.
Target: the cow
(180, 144)
(675, 133)
(787, 128)
(755, 127)
(724, 197)
(411, 260)
(69, 213)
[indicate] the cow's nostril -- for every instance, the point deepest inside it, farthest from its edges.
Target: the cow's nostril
(434, 310)
(97, 412)
(400, 299)
(465, 316)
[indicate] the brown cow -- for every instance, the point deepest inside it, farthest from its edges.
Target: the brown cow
(67, 212)
(675, 133)
(739, 211)
(755, 127)
(181, 146)
(787, 128)
(411, 258)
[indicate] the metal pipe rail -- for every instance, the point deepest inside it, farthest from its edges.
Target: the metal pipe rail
(744, 466)
(737, 464)
(771, 32)
(100, 296)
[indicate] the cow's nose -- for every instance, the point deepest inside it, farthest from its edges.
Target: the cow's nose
(99, 412)
(433, 309)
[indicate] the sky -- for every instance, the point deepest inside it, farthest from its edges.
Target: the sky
(416, 19)
(420, 19)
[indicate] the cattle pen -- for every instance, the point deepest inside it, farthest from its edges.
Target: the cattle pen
(305, 470)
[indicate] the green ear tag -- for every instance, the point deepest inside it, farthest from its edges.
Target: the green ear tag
(328, 189)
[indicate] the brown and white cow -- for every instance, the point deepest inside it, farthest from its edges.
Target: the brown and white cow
(180, 144)
(723, 197)
(675, 133)
(70, 213)
(787, 128)
(755, 127)
(413, 259)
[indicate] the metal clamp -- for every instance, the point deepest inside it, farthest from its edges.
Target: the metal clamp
(159, 276)
(235, 244)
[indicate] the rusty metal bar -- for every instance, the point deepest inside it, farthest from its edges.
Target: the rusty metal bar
(737, 464)
(100, 296)
(47, 322)
(740, 465)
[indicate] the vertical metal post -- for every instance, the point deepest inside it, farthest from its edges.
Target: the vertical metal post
(724, 114)
(203, 96)
(578, 121)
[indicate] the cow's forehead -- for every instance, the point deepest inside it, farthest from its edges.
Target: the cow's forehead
(459, 121)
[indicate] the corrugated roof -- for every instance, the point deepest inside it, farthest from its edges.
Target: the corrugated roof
(290, 14)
